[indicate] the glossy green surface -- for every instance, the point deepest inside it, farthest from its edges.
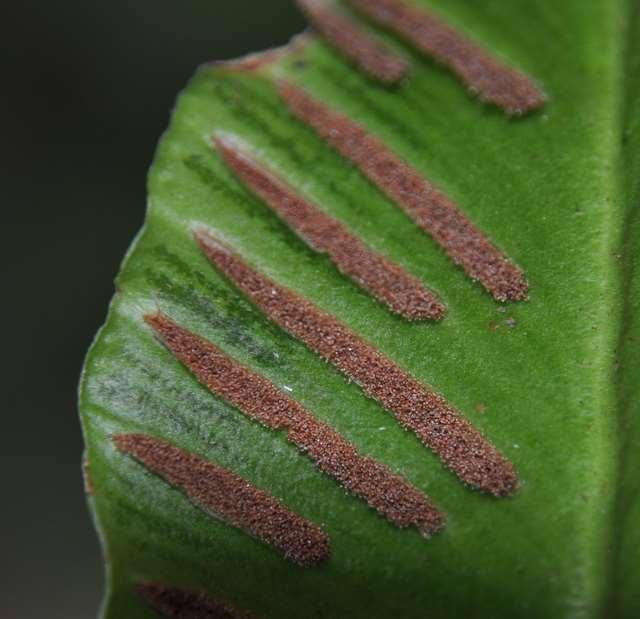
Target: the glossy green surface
(555, 190)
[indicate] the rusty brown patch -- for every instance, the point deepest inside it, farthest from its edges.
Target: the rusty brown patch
(384, 279)
(434, 212)
(259, 399)
(86, 474)
(460, 446)
(230, 498)
(259, 61)
(482, 73)
(177, 603)
(368, 54)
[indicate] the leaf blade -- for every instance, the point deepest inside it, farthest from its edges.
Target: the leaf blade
(543, 187)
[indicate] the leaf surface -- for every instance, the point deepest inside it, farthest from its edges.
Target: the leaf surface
(553, 381)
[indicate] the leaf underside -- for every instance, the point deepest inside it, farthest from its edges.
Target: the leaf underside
(553, 381)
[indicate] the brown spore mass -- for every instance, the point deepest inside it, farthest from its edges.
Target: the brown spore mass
(388, 493)
(481, 72)
(262, 61)
(86, 474)
(431, 209)
(369, 55)
(460, 446)
(384, 279)
(177, 603)
(231, 498)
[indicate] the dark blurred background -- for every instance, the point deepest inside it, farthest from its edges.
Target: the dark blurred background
(86, 93)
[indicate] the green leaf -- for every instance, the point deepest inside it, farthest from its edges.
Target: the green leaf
(553, 381)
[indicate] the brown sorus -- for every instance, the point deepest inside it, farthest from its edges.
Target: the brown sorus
(252, 62)
(384, 279)
(86, 473)
(460, 446)
(259, 399)
(258, 61)
(481, 72)
(431, 209)
(231, 498)
(177, 603)
(368, 54)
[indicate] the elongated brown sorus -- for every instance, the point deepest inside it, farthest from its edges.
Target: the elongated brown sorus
(483, 73)
(460, 446)
(177, 603)
(367, 53)
(384, 279)
(434, 212)
(231, 498)
(259, 399)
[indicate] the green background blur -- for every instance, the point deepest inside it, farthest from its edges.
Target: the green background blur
(86, 93)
